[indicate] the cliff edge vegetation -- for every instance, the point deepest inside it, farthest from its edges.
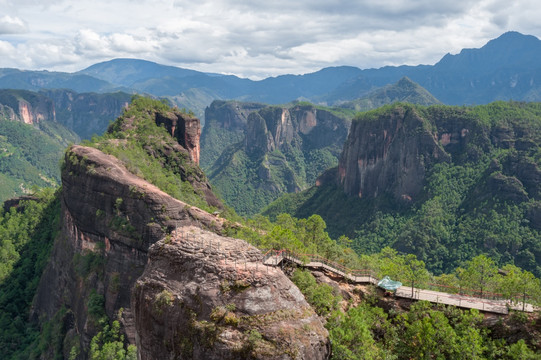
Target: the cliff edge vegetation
(445, 183)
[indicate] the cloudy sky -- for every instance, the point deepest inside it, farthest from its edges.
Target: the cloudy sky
(252, 38)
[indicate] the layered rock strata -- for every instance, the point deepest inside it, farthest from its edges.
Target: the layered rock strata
(110, 217)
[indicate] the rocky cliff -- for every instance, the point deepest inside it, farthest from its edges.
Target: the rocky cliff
(225, 123)
(390, 154)
(31, 142)
(203, 296)
(185, 129)
(26, 106)
(120, 255)
(110, 218)
(276, 128)
(444, 183)
(391, 151)
(283, 150)
(87, 114)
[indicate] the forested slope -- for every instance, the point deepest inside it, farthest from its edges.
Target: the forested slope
(449, 184)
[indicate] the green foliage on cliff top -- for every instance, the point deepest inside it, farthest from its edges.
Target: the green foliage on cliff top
(146, 151)
(485, 200)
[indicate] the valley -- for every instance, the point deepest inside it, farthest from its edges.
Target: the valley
(152, 211)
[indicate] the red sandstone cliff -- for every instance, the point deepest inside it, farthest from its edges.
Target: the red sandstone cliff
(119, 245)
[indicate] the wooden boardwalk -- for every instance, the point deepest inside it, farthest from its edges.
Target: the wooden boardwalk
(437, 297)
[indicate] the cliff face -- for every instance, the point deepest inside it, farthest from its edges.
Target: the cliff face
(390, 155)
(225, 123)
(146, 253)
(275, 128)
(87, 113)
(185, 129)
(203, 296)
(393, 151)
(26, 106)
(110, 218)
(283, 150)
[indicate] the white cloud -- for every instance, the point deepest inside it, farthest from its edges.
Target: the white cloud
(253, 38)
(12, 25)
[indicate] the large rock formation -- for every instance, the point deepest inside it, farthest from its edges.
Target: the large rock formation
(283, 150)
(391, 151)
(389, 155)
(185, 129)
(225, 124)
(110, 218)
(275, 128)
(87, 113)
(203, 296)
(26, 106)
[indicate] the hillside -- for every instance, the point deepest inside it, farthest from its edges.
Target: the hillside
(124, 262)
(31, 143)
(405, 91)
(87, 114)
(444, 183)
(35, 128)
(269, 150)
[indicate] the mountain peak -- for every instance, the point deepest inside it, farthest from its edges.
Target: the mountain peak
(513, 39)
(510, 49)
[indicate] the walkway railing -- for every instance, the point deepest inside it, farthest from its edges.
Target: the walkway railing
(462, 297)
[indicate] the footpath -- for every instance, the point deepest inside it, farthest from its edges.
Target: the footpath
(316, 262)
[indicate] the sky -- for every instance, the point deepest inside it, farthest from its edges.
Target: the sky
(252, 38)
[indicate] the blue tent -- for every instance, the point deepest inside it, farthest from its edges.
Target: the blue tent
(388, 284)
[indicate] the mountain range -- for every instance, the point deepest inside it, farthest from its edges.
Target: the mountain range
(505, 68)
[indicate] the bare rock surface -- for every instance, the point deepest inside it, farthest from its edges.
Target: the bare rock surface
(204, 296)
(388, 155)
(110, 218)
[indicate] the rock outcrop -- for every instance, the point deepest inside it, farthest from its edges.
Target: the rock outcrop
(185, 128)
(110, 217)
(389, 154)
(283, 150)
(275, 128)
(187, 303)
(26, 106)
(204, 296)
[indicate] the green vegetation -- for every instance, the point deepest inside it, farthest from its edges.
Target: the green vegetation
(30, 156)
(250, 173)
(26, 238)
(108, 344)
(462, 235)
(484, 201)
(426, 331)
(145, 150)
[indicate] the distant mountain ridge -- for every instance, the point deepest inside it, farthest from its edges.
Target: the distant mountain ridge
(505, 68)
